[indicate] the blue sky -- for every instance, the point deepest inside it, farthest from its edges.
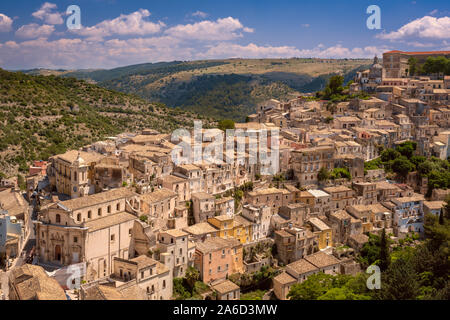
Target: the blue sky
(116, 33)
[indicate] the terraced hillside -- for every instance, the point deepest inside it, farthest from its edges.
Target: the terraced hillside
(220, 88)
(44, 115)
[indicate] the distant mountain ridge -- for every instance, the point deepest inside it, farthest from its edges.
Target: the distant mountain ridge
(229, 88)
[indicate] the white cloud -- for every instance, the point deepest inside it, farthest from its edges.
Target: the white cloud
(305, 25)
(131, 24)
(46, 14)
(220, 30)
(85, 53)
(424, 28)
(200, 14)
(226, 50)
(432, 13)
(5, 23)
(34, 30)
(420, 44)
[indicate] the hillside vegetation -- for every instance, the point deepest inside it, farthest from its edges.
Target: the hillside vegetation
(45, 115)
(219, 88)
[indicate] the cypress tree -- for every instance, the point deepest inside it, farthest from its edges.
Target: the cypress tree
(441, 218)
(384, 251)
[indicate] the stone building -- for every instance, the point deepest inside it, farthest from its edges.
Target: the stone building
(93, 229)
(307, 163)
(271, 197)
(294, 243)
(203, 206)
(72, 173)
(159, 205)
(341, 197)
(217, 258)
(175, 251)
(300, 270)
(151, 276)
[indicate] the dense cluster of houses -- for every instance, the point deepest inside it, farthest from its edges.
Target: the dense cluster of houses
(136, 219)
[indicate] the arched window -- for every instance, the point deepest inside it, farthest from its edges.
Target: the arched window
(58, 218)
(79, 217)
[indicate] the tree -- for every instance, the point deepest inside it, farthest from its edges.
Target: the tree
(417, 160)
(226, 124)
(441, 218)
(412, 62)
(399, 282)
(447, 208)
(191, 277)
(402, 166)
(340, 173)
(343, 293)
(329, 119)
(315, 286)
(323, 174)
(335, 84)
(407, 148)
(384, 251)
(389, 154)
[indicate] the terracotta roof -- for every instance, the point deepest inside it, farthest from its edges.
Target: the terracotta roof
(144, 261)
(72, 155)
(360, 238)
(284, 278)
(175, 233)
(225, 287)
(32, 283)
(202, 196)
(158, 195)
(242, 221)
(266, 191)
(341, 214)
(222, 218)
(98, 198)
(102, 292)
(189, 167)
(215, 244)
(321, 259)
(337, 189)
(173, 179)
(200, 228)
(109, 220)
(319, 224)
(434, 204)
(415, 197)
(13, 202)
(302, 266)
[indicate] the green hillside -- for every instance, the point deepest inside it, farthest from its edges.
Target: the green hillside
(221, 88)
(44, 115)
